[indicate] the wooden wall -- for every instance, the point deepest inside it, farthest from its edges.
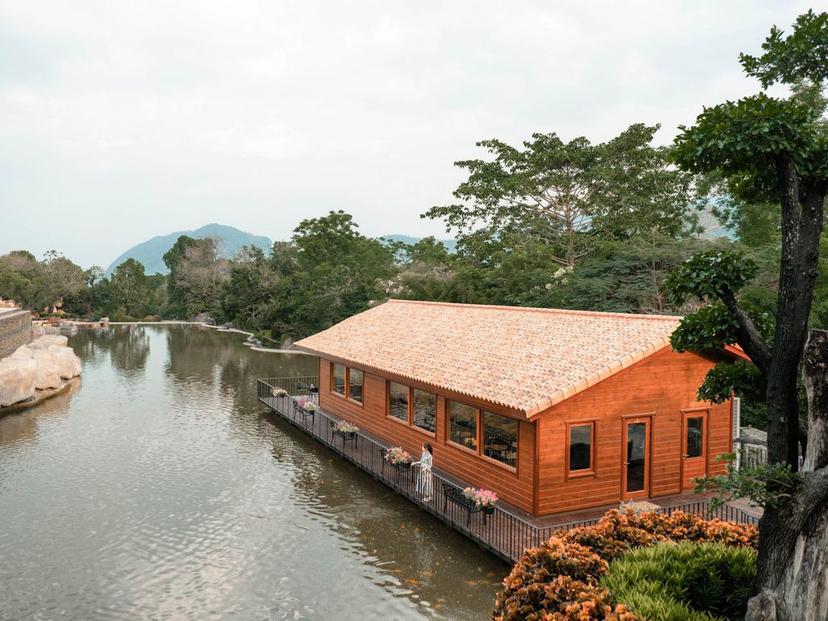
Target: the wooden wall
(515, 486)
(660, 386)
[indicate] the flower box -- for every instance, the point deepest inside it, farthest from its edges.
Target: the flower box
(398, 457)
(483, 499)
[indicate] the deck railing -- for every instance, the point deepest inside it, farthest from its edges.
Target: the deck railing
(503, 532)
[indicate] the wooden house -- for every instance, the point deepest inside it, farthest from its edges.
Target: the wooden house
(555, 410)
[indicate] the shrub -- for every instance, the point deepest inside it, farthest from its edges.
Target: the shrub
(684, 581)
(614, 535)
(526, 591)
(533, 590)
(566, 599)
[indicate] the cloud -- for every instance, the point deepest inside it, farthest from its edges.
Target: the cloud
(122, 121)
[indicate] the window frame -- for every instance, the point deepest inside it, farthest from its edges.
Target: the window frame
(361, 401)
(479, 437)
(344, 392)
(347, 388)
(582, 472)
(409, 422)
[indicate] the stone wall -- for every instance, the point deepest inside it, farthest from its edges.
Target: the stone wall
(15, 330)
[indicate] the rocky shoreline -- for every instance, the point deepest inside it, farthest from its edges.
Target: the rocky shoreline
(36, 371)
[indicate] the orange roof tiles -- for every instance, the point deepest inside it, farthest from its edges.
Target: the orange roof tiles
(526, 359)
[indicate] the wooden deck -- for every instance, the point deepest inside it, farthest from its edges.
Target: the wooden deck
(507, 532)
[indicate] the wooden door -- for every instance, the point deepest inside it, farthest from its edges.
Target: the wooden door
(693, 447)
(635, 473)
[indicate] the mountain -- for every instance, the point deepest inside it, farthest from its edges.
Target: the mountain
(151, 252)
(450, 244)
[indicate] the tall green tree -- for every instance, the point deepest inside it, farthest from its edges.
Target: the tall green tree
(328, 272)
(131, 294)
(196, 279)
(774, 150)
(567, 193)
(247, 295)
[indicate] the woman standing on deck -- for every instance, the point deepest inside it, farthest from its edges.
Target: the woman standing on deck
(424, 486)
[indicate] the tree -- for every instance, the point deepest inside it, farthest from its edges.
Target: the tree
(565, 193)
(774, 150)
(622, 276)
(130, 290)
(197, 275)
(328, 272)
(246, 299)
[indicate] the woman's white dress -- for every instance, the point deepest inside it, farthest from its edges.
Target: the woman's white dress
(424, 484)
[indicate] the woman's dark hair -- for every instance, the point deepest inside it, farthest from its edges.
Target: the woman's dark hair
(427, 446)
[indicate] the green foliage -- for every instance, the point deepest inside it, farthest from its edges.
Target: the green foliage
(565, 194)
(767, 485)
(709, 275)
(197, 276)
(131, 291)
(39, 285)
(684, 581)
(726, 378)
(542, 582)
(328, 272)
(801, 55)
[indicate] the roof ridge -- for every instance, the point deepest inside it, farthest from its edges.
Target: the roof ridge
(537, 309)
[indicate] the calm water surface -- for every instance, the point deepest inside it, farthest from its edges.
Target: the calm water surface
(161, 489)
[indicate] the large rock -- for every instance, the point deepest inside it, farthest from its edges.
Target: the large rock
(17, 379)
(68, 364)
(40, 365)
(49, 340)
(47, 374)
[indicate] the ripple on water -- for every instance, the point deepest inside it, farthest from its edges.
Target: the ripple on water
(161, 490)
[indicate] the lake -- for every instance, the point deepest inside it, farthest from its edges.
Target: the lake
(160, 488)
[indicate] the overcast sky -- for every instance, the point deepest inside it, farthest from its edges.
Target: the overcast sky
(124, 120)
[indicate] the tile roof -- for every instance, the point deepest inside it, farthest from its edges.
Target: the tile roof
(526, 359)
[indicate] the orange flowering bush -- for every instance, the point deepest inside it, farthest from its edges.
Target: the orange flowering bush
(565, 599)
(558, 580)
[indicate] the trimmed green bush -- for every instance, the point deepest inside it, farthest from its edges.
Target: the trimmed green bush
(684, 581)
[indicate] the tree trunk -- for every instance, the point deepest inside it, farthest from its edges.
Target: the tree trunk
(794, 540)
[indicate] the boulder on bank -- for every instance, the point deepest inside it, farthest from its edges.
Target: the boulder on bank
(43, 364)
(17, 379)
(47, 374)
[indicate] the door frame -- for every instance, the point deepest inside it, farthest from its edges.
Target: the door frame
(694, 413)
(647, 419)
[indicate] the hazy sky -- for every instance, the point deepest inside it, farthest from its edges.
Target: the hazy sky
(124, 120)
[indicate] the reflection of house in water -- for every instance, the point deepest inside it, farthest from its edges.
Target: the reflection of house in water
(387, 530)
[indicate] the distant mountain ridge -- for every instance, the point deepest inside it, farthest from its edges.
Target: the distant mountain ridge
(450, 244)
(151, 252)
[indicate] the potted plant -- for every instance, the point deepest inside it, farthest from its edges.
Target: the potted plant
(345, 428)
(307, 405)
(279, 392)
(483, 499)
(398, 457)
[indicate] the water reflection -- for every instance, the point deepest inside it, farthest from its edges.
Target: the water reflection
(164, 489)
(22, 425)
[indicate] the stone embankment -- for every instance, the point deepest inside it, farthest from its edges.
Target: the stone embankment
(42, 367)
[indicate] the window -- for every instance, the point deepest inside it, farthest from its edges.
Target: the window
(398, 401)
(580, 447)
(412, 406)
(463, 424)
(347, 382)
(500, 438)
(695, 436)
(424, 410)
(355, 385)
(338, 374)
